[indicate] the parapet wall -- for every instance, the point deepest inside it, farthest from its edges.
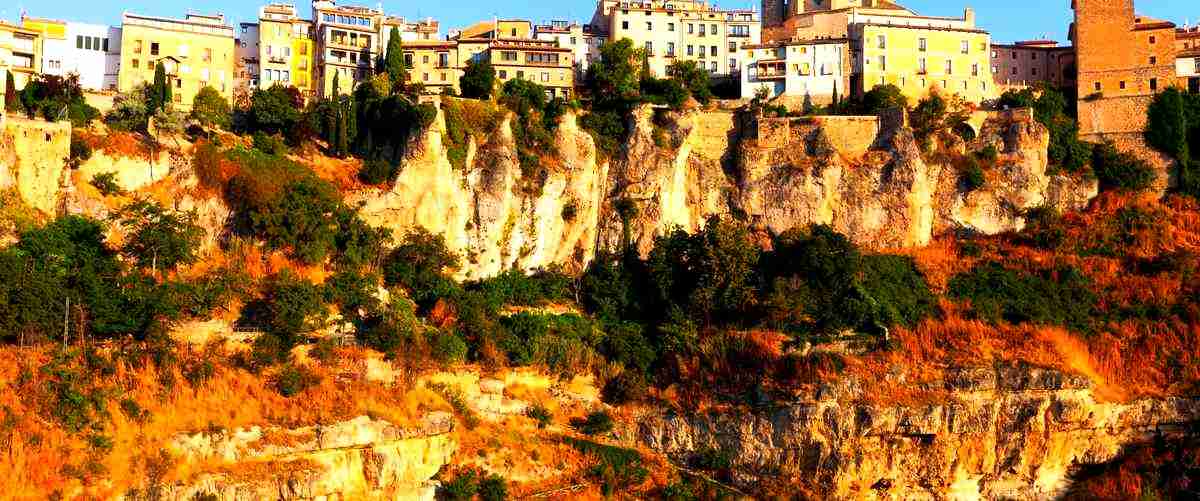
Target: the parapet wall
(850, 135)
(1113, 115)
(41, 152)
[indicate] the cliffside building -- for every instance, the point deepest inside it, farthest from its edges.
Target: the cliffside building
(681, 30)
(1187, 58)
(20, 53)
(1024, 64)
(348, 44)
(817, 69)
(196, 51)
(286, 50)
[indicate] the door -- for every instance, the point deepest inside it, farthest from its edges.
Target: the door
(1194, 85)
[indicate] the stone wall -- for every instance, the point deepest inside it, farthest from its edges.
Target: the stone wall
(41, 151)
(850, 135)
(1111, 115)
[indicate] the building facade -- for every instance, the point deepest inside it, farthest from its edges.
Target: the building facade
(434, 64)
(568, 35)
(348, 43)
(286, 52)
(1024, 64)
(815, 69)
(75, 48)
(21, 53)
(196, 51)
(541, 62)
(247, 56)
(53, 35)
(1123, 59)
(680, 30)
(1187, 58)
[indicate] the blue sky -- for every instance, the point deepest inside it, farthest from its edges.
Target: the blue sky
(1008, 20)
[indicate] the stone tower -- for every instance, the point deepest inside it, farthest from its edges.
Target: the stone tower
(774, 12)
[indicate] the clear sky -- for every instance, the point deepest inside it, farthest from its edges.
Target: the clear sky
(1008, 20)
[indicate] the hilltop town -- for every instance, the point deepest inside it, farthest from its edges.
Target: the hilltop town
(820, 249)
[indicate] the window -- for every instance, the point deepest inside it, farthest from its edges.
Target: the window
(624, 25)
(882, 63)
(995, 69)
(671, 49)
(1153, 60)
(1097, 86)
(424, 77)
(995, 55)
(425, 59)
(1153, 39)
(732, 47)
(1014, 70)
(1033, 56)
(137, 46)
(670, 26)
(649, 26)
(966, 47)
(701, 30)
(444, 60)
(975, 70)
(1153, 84)
(713, 51)
(520, 74)
(713, 30)
(691, 28)
(713, 67)
(1034, 72)
(1121, 85)
(882, 41)
(503, 74)
(545, 77)
(153, 48)
(692, 52)
(207, 55)
(922, 44)
(79, 41)
(921, 66)
(135, 63)
(649, 48)
(1014, 54)
(87, 43)
(105, 45)
(508, 55)
(408, 60)
(949, 67)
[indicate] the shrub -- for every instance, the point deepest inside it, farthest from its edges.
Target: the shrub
(539, 413)
(158, 238)
(988, 153)
(292, 307)
(882, 98)
(270, 144)
(898, 288)
(693, 78)
(1044, 228)
(493, 488)
(294, 379)
(375, 172)
(81, 151)
(1062, 296)
(615, 467)
(455, 398)
(628, 386)
(106, 184)
(275, 110)
(462, 487)
(596, 423)
(447, 347)
(210, 108)
(1121, 171)
(419, 264)
(663, 91)
(970, 174)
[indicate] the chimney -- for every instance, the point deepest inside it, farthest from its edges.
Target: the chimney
(969, 16)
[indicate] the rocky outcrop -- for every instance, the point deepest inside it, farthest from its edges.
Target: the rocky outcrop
(33, 159)
(357, 459)
(1006, 432)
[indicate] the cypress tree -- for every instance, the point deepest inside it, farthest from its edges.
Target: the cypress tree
(11, 101)
(160, 91)
(394, 61)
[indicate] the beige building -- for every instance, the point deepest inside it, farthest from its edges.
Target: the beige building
(568, 35)
(434, 64)
(348, 45)
(541, 62)
(1024, 64)
(817, 69)
(195, 51)
(680, 30)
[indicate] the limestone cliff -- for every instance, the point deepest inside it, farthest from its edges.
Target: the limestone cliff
(998, 433)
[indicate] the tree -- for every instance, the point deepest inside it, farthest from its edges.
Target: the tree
(693, 78)
(882, 98)
(11, 101)
(394, 65)
(419, 264)
(478, 80)
(210, 108)
(160, 90)
(614, 79)
(159, 239)
(273, 111)
(1167, 125)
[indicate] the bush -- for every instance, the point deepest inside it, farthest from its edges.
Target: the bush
(628, 386)
(596, 423)
(1121, 171)
(376, 172)
(539, 413)
(294, 379)
(970, 174)
(693, 78)
(210, 108)
(447, 347)
(275, 110)
(81, 151)
(106, 184)
(158, 238)
(1044, 228)
(270, 144)
(420, 264)
(1062, 296)
(615, 467)
(882, 98)
(988, 154)
(666, 92)
(493, 488)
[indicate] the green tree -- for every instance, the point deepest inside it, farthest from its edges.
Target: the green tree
(693, 78)
(274, 111)
(883, 97)
(478, 80)
(159, 239)
(420, 264)
(394, 65)
(1167, 125)
(210, 108)
(293, 307)
(11, 101)
(614, 79)
(160, 90)
(300, 218)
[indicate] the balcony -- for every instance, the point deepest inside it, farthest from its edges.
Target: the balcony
(277, 59)
(22, 44)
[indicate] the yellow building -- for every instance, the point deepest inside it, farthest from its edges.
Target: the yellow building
(196, 51)
(286, 49)
(348, 45)
(920, 59)
(53, 35)
(518, 29)
(20, 53)
(539, 61)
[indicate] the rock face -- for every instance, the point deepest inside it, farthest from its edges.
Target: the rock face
(33, 157)
(865, 176)
(357, 459)
(1001, 433)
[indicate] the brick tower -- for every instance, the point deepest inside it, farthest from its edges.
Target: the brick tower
(1123, 59)
(774, 12)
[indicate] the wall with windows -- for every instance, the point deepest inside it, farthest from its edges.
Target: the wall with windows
(1021, 65)
(917, 60)
(433, 64)
(686, 31)
(548, 66)
(816, 69)
(87, 54)
(286, 54)
(194, 54)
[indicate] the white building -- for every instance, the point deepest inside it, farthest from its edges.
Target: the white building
(112, 59)
(814, 68)
(88, 54)
(568, 35)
